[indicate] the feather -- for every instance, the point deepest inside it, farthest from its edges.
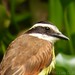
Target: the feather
(26, 56)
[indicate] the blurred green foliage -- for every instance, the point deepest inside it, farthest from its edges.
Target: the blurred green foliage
(18, 15)
(65, 64)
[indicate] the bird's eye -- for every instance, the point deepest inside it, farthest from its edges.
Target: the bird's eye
(47, 28)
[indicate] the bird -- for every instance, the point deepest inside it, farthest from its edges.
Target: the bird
(32, 53)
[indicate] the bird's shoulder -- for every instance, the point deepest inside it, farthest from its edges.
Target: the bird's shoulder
(24, 51)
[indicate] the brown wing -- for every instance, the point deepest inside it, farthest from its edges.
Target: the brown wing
(26, 56)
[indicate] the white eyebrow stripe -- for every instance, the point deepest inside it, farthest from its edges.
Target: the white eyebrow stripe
(46, 25)
(43, 25)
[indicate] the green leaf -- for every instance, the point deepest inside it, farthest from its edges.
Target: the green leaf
(71, 16)
(55, 12)
(65, 64)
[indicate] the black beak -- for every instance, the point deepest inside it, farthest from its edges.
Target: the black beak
(60, 36)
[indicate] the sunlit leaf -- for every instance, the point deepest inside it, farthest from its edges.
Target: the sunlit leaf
(65, 64)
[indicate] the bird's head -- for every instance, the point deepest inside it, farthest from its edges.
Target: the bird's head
(46, 31)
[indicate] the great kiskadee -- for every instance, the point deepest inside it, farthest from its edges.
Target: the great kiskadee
(32, 53)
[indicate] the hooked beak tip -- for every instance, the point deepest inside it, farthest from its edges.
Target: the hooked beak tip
(61, 36)
(64, 37)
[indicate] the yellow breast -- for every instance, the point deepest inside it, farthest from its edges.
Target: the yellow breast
(48, 69)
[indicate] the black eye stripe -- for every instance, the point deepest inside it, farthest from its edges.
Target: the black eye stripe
(42, 30)
(47, 28)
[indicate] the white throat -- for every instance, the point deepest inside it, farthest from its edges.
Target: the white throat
(45, 37)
